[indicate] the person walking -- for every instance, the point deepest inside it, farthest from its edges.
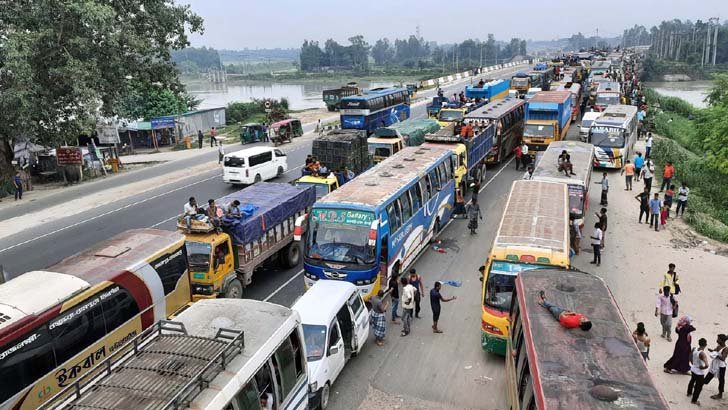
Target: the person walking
(199, 139)
(408, 305)
(663, 309)
(379, 317)
(605, 189)
(602, 216)
(642, 340)
(213, 137)
(416, 281)
(655, 206)
(647, 175)
(18, 185)
(648, 145)
(669, 195)
(473, 210)
(518, 154)
(576, 235)
(718, 365)
(671, 280)
(639, 162)
(628, 172)
(668, 172)
(679, 362)
(682, 199)
(435, 299)
(596, 242)
(698, 365)
(394, 295)
(220, 154)
(644, 199)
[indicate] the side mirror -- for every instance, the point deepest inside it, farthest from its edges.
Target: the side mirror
(334, 350)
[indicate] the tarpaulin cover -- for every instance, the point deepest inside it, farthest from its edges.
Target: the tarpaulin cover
(271, 204)
(412, 130)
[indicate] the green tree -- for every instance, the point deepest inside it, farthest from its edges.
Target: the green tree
(148, 101)
(382, 52)
(64, 62)
(718, 95)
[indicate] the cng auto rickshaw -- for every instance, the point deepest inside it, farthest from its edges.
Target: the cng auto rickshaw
(286, 130)
(252, 132)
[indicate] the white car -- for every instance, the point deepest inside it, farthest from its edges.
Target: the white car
(253, 165)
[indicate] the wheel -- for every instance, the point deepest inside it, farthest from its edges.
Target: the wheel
(257, 178)
(325, 391)
(280, 171)
(234, 290)
(482, 173)
(290, 256)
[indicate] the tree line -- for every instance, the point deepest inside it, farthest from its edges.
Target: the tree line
(701, 42)
(195, 60)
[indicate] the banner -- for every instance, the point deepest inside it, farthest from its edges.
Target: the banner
(69, 156)
(108, 134)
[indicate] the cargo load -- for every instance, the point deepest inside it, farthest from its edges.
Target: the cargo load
(338, 149)
(412, 131)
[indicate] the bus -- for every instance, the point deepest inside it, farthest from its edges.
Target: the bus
(57, 323)
(378, 107)
(608, 93)
(533, 233)
(377, 224)
(549, 367)
(508, 116)
(582, 159)
(218, 354)
(613, 135)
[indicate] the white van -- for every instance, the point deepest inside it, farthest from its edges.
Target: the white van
(253, 165)
(586, 121)
(335, 328)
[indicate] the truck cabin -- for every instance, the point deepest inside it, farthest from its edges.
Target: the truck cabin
(322, 185)
(385, 143)
(208, 253)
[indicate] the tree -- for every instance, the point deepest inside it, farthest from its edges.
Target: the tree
(311, 57)
(359, 52)
(718, 95)
(64, 62)
(382, 52)
(522, 49)
(149, 101)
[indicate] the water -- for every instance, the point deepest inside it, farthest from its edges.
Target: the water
(300, 96)
(693, 92)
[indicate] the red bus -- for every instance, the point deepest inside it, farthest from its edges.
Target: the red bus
(55, 324)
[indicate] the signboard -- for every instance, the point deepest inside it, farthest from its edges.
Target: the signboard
(163, 122)
(343, 216)
(69, 156)
(108, 134)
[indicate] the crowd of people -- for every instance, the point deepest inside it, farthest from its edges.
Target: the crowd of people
(213, 214)
(315, 168)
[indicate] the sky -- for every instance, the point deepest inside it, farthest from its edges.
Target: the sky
(235, 24)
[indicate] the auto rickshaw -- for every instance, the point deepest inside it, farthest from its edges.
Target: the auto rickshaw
(286, 130)
(252, 132)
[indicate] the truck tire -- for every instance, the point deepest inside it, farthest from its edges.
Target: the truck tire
(290, 255)
(234, 290)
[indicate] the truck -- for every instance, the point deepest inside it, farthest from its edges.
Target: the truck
(489, 91)
(547, 119)
(521, 83)
(333, 96)
(433, 108)
(470, 152)
(222, 258)
(387, 141)
(455, 112)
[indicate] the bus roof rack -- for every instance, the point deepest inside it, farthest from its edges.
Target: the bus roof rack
(162, 368)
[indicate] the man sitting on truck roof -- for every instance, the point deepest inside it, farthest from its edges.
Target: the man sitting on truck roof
(212, 211)
(233, 209)
(191, 212)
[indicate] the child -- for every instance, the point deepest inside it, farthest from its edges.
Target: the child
(668, 198)
(663, 214)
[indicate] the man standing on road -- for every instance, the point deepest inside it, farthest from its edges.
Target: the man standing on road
(663, 309)
(213, 137)
(698, 366)
(628, 172)
(199, 139)
(18, 185)
(647, 174)
(602, 216)
(518, 154)
(596, 242)
(379, 317)
(408, 305)
(667, 174)
(416, 281)
(394, 294)
(435, 299)
(525, 158)
(648, 145)
(718, 366)
(639, 162)
(605, 189)
(682, 199)
(655, 207)
(220, 154)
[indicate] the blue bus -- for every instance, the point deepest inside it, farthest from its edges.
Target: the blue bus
(377, 224)
(378, 107)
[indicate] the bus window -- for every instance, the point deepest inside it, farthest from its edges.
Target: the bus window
(524, 386)
(170, 267)
(435, 181)
(425, 188)
(394, 217)
(32, 359)
(77, 329)
(118, 309)
(286, 368)
(246, 399)
(404, 201)
(297, 353)
(416, 195)
(264, 382)
(443, 174)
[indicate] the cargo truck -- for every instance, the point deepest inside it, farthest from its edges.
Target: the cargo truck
(222, 260)
(548, 117)
(490, 91)
(470, 152)
(455, 112)
(387, 141)
(333, 97)
(521, 83)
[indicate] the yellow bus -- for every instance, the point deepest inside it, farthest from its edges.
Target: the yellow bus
(533, 233)
(57, 323)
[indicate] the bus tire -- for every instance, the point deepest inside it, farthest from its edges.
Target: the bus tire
(234, 290)
(290, 256)
(324, 399)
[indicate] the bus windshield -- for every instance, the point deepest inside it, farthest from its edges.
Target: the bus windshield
(315, 337)
(501, 281)
(610, 137)
(198, 254)
(450, 115)
(607, 99)
(520, 81)
(538, 130)
(340, 235)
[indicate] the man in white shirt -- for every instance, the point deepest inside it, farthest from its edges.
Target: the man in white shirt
(190, 210)
(648, 145)
(596, 242)
(408, 305)
(529, 173)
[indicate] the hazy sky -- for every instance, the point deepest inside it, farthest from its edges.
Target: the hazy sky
(235, 24)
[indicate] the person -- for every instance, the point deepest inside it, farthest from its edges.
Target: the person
(642, 340)
(668, 172)
(525, 158)
(648, 145)
(628, 172)
(576, 235)
(476, 190)
(602, 216)
(416, 281)
(663, 215)
(639, 163)
(682, 199)
(190, 212)
(349, 174)
(663, 309)
(323, 171)
(264, 401)
(518, 155)
(309, 160)
(213, 137)
(408, 305)
(718, 365)
(233, 209)
(18, 185)
(212, 213)
(481, 272)
(379, 317)
(596, 242)
(698, 365)
(671, 280)
(220, 153)
(393, 289)
(435, 299)
(567, 318)
(529, 173)
(459, 209)
(655, 211)
(318, 126)
(339, 177)
(199, 139)
(669, 195)
(644, 199)
(605, 189)
(474, 215)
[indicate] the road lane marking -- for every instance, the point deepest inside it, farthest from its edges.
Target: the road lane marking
(286, 283)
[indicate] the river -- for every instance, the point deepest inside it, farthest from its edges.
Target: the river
(693, 92)
(300, 96)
